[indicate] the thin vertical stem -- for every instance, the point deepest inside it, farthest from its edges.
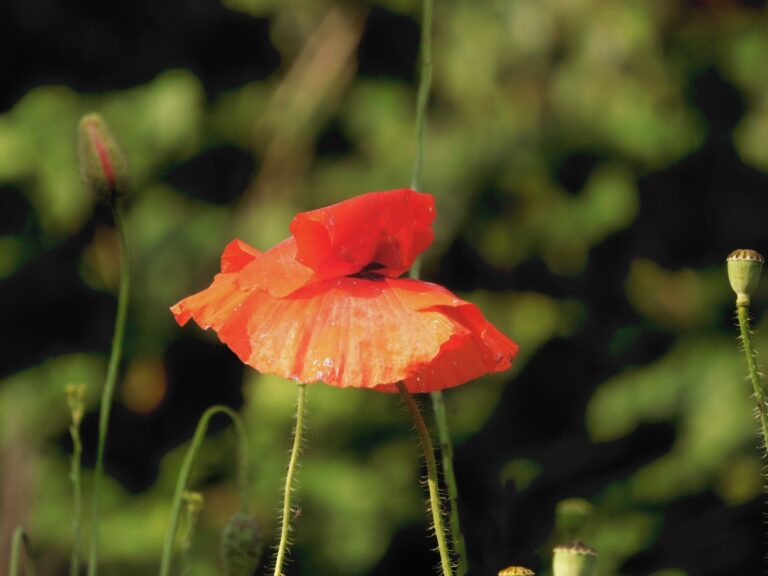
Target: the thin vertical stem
(287, 512)
(77, 495)
(183, 478)
(432, 480)
(17, 542)
(438, 402)
(754, 375)
(446, 460)
(422, 98)
(109, 385)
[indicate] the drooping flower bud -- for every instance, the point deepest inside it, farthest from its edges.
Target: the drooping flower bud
(574, 559)
(103, 167)
(516, 571)
(241, 545)
(744, 269)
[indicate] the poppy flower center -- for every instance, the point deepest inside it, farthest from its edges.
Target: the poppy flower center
(369, 272)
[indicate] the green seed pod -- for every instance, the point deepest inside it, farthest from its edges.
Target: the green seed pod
(574, 560)
(516, 571)
(103, 167)
(744, 269)
(241, 545)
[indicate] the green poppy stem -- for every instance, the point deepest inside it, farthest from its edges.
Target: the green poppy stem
(109, 385)
(438, 402)
(186, 467)
(77, 408)
(287, 512)
(432, 480)
(17, 542)
(742, 310)
(446, 454)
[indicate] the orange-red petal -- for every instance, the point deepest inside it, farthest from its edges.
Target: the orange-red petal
(354, 332)
(388, 229)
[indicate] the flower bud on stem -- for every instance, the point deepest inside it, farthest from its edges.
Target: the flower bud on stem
(744, 268)
(103, 167)
(105, 175)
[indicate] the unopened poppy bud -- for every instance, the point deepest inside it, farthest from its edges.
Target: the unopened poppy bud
(744, 269)
(241, 545)
(516, 571)
(574, 559)
(103, 167)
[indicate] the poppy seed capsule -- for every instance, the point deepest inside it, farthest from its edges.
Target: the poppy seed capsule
(744, 269)
(241, 545)
(516, 571)
(103, 167)
(574, 559)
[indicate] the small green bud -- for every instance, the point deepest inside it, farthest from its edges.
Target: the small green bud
(75, 395)
(516, 571)
(744, 269)
(574, 559)
(241, 545)
(103, 167)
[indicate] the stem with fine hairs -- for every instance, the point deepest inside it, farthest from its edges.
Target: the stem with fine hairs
(432, 480)
(287, 511)
(438, 402)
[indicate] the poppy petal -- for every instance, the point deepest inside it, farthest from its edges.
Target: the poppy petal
(236, 255)
(276, 271)
(354, 332)
(388, 229)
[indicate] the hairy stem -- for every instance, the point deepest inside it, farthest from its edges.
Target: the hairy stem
(754, 375)
(432, 480)
(446, 460)
(287, 512)
(109, 385)
(183, 478)
(438, 403)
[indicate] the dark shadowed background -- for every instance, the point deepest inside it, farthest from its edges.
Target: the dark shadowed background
(593, 162)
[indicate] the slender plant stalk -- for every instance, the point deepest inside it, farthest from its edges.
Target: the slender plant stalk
(422, 98)
(749, 350)
(432, 480)
(194, 501)
(438, 402)
(75, 397)
(287, 511)
(186, 467)
(109, 385)
(17, 542)
(446, 457)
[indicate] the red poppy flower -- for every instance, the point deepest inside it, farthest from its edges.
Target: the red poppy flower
(327, 304)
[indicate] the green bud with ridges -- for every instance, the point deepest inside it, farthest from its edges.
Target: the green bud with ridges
(574, 559)
(241, 545)
(744, 269)
(103, 167)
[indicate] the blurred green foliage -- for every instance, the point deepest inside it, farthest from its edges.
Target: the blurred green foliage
(518, 85)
